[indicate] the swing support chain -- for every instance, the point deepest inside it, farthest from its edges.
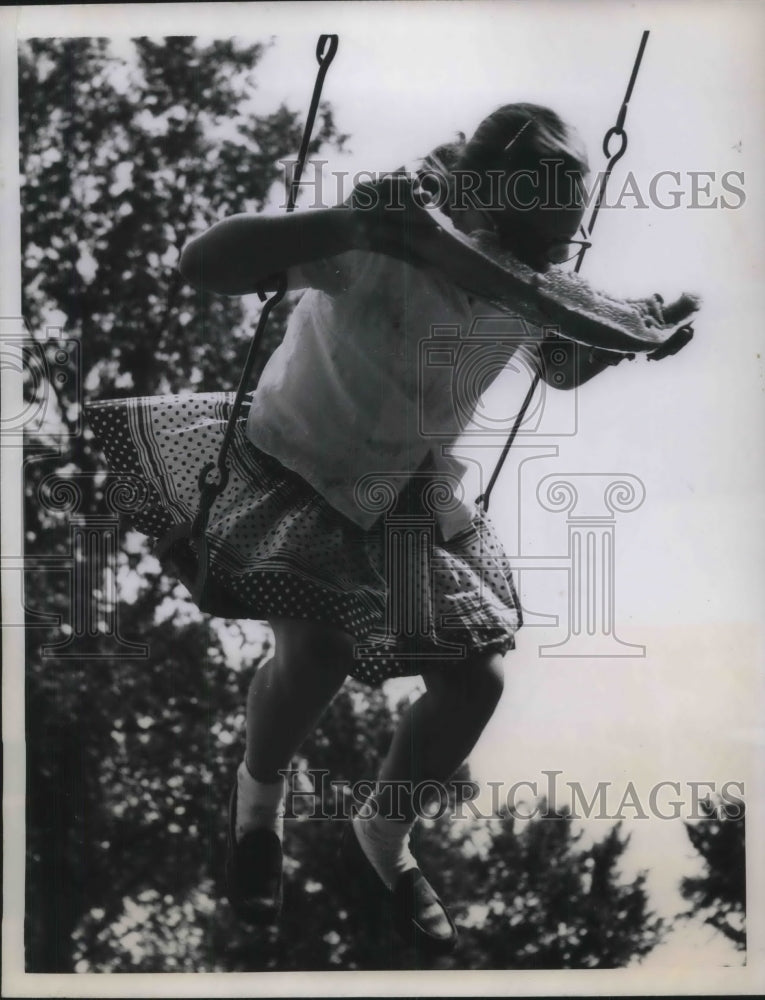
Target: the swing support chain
(326, 48)
(616, 131)
(213, 478)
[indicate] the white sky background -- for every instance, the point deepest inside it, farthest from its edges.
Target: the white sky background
(689, 581)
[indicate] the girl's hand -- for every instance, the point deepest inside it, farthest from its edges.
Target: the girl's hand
(656, 313)
(673, 344)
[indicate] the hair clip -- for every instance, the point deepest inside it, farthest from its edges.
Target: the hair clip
(518, 134)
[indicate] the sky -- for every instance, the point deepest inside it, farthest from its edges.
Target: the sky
(688, 581)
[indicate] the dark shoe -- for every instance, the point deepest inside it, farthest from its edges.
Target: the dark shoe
(253, 871)
(418, 914)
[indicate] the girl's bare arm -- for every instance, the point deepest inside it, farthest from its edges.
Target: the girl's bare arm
(247, 253)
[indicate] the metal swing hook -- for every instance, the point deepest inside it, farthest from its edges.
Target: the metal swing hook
(330, 43)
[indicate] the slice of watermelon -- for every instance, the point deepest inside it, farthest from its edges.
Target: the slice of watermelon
(561, 298)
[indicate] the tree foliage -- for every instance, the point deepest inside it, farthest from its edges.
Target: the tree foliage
(131, 748)
(122, 158)
(551, 903)
(122, 163)
(719, 893)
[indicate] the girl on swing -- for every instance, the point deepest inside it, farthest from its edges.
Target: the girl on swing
(294, 538)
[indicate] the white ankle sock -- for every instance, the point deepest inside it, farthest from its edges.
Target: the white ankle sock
(385, 842)
(259, 804)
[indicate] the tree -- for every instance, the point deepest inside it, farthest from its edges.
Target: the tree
(123, 157)
(551, 904)
(525, 894)
(719, 893)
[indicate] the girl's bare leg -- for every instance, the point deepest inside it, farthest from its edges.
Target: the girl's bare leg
(437, 733)
(288, 694)
(434, 736)
(286, 698)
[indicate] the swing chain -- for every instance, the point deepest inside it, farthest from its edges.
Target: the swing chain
(616, 131)
(326, 48)
(325, 53)
(214, 476)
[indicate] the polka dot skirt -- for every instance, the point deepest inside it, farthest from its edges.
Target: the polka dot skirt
(277, 549)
